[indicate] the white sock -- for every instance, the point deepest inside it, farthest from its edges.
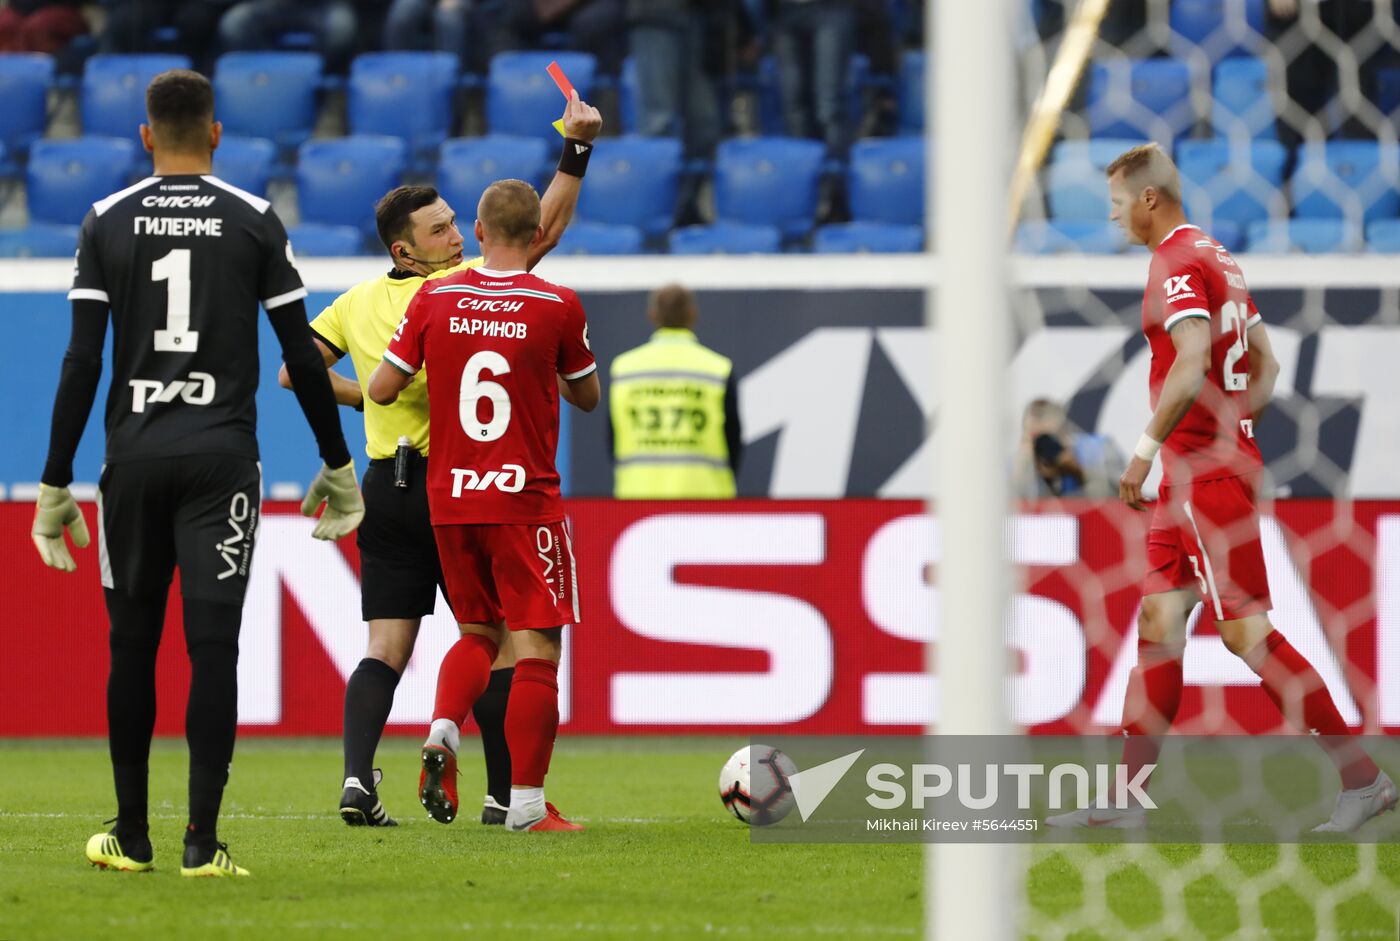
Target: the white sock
(444, 734)
(527, 800)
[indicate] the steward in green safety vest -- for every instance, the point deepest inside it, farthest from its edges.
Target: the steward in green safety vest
(675, 411)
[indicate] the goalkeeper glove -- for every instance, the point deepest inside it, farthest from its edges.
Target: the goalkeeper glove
(344, 506)
(55, 512)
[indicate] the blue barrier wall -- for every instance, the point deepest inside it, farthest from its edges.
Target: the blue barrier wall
(835, 382)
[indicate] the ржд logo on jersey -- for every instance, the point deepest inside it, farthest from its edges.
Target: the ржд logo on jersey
(1178, 288)
(196, 389)
(509, 479)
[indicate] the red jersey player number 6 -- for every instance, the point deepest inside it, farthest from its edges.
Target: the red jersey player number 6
(501, 347)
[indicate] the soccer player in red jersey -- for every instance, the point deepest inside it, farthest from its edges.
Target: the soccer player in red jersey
(501, 346)
(1213, 372)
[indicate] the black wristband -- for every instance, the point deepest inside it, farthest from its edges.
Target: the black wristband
(574, 158)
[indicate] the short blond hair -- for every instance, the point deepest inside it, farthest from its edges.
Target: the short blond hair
(510, 211)
(1147, 165)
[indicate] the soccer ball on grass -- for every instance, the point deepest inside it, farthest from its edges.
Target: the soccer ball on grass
(754, 785)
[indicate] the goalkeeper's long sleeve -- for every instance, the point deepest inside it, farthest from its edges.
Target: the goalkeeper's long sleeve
(77, 389)
(310, 381)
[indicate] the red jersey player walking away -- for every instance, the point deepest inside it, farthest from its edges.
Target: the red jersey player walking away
(1212, 375)
(501, 346)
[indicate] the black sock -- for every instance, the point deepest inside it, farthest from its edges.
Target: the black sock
(369, 695)
(490, 715)
(206, 795)
(211, 717)
(131, 702)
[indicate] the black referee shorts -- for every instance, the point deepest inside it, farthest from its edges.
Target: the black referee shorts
(399, 568)
(199, 512)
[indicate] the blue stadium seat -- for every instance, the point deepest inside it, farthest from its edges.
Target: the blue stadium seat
(65, 177)
(1071, 236)
(114, 91)
(597, 238)
(326, 241)
(24, 85)
(1075, 185)
(1098, 152)
(467, 165)
(885, 180)
(1227, 233)
(769, 181)
(1311, 236)
(1352, 179)
(1217, 28)
(1383, 235)
(411, 95)
(867, 237)
(246, 162)
(521, 97)
(1240, 102)
(1232, 181)
(726, 238)
(1140, 98)
(268, 94)
(633, 181)
(39, 241)
(909, 93)
(339, 181)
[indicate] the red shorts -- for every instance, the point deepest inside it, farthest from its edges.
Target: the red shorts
(522, 573)
(1205, 537)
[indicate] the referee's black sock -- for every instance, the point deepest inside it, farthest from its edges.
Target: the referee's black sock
(490, 715)
(211, 718)
(131, 704)
(369, 695)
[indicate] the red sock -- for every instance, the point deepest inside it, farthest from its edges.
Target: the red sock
(532, 720)
(1302, 697)
(1154, 695)
(462, 678)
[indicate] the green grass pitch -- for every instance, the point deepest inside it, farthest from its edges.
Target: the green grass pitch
(660, 859)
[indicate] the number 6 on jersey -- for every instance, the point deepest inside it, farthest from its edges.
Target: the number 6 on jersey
(474, 388)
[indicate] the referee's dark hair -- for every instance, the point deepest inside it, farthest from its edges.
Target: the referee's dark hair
(180, 108)
(392, 212)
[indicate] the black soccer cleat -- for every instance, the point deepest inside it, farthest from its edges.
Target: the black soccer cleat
(361, 808)
(492, 813)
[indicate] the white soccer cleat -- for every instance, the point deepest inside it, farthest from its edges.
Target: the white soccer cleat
(1102, 818)
(1360, 804)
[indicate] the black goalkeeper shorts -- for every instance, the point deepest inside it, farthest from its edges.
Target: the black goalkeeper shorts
(399, 568)
(198, 512)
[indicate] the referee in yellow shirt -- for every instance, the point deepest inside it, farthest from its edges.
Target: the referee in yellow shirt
(399, 567)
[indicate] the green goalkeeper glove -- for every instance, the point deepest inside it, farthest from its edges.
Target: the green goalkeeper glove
(55, 512)
(344, 505)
